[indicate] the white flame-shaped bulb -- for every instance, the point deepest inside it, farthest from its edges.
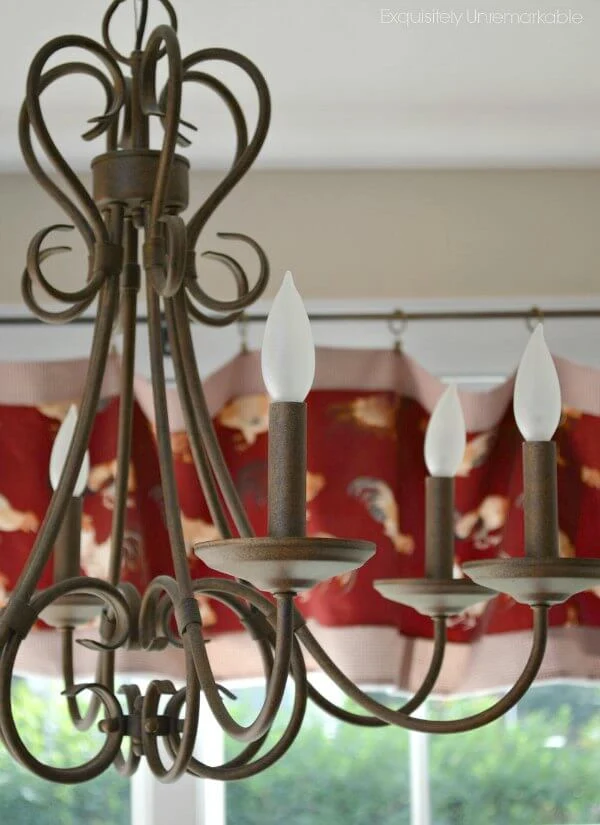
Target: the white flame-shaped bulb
(288, 350)
(60, 450)
(446, 438)
(537, 402)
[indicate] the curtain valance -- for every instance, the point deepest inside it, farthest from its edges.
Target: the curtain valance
(367, 417)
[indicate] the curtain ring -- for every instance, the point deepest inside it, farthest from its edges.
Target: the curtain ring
(397, 325)
(535, 317)
(243, 333)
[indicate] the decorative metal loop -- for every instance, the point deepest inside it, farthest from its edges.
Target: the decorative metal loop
(36, 82)
(245, 297)
(284, 645)
(115, 603)
(150, 106)
(242, 162)
(245, 154)
(161, 594)
(140, 28)
(128, 765)
(34, 258)
(10, 735)
(165, 256)
(110, 126)
(150, 728)
(258, 618)
(104, 676)
(217, 86)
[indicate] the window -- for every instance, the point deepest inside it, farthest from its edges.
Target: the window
(44, 725)
(535, 767)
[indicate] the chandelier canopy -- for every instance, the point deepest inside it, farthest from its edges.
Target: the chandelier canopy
(139, 194)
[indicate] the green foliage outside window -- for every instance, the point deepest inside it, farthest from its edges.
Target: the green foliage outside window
(538, 769)
(46, 729)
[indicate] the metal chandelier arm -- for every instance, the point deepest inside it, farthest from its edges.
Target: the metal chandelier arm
(262, 620)
(48, 531)
(165, 456)
(258, 620)
(498, 709)
(201, 462)
(106, 662)
(130, 280)
(276, 686)
(427, 685)
(204, 421)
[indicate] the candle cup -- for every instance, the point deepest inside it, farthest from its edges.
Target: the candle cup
(287, 469)
(439, 527)
(540, 499)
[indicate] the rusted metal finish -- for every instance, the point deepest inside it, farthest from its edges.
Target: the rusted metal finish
(535, 580)
(67, 547)
(540, 504)
(477, 720)
(138, 195)
(286, 564)
(129, 177)
(439, 527)
(434, 597)
(287, 469)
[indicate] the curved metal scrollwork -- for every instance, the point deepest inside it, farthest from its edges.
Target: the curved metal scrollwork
(139, 194)
(85, 216)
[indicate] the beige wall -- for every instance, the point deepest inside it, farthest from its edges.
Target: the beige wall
(381, 234)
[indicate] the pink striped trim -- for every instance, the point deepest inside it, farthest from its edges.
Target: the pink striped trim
(33, 383)
(36, 383)
(368, 655)
(383, 370)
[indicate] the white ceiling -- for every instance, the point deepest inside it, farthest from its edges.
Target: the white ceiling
(349, 90)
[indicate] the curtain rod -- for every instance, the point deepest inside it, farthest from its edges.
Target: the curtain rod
(533, 314)
(397, 315)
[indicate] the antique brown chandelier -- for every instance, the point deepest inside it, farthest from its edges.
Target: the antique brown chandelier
(140, 192)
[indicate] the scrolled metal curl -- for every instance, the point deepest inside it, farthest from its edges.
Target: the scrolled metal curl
(245, 154)
(88, 222)
(258, 616)
(117, 605)
(127, 765)
(141, 28)
(246, 296)
(37, 80)
(165, 256)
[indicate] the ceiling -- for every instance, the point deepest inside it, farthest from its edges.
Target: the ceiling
(348, 90)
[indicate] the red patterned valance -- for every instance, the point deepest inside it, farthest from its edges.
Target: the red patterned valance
(367, 418)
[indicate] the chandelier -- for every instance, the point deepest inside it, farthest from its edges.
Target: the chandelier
(138, 196)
